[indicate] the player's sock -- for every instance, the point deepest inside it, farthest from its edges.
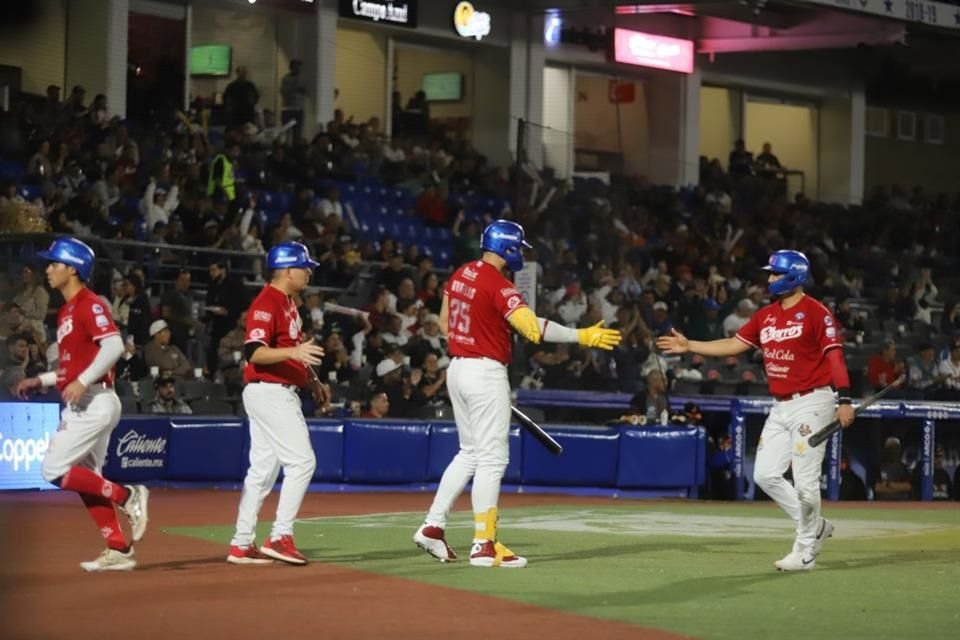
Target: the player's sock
(87, 482)
(102, 511)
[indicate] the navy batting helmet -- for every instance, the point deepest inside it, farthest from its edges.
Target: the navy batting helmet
(795, 269)
(505, 238)
(286, 255)
(73, 253)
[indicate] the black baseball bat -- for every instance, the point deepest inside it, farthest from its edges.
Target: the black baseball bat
(820, 436)
(537, 432)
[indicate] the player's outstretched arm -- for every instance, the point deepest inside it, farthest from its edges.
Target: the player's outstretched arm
(309, 353)
(676, 342)
(598, 337)
(523, 320)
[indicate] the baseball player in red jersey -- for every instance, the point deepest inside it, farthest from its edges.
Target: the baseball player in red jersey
(480, 309)
(277, 360)
(803, 357)
(89, 347)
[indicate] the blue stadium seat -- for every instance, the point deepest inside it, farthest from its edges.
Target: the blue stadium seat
(11, 169)
(30, 192)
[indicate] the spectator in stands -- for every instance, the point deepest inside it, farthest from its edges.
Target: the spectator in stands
(292, 93)
(221, 183)
(394, 333)
(942, 485)
(851, 484)
(950, 370)
(225, 300)
(75, 109)
(740, 162)
(107, 187)
(160, 353)
(733, 322)
(337, 367)
(32, 300)
(12, 321)
(166, 401)
(660, 322)
(158, 204)
(391, 380)
(950, 319)
(176, 307)
(570, 300)
(330, 204)
(655, 405)
(466, 235)
(393, 274)
(924, 374)
(39, 167)
(139, 315)
(230, 354)
(892, 479)
(768, 164)
(131, 366)
(430, 206)
(379, 406)
(432, 384)
(705, 323)
(884, 367)
(240, 100)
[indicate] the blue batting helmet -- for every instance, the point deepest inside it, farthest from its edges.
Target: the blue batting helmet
(505, 238)
(73, 253)
(795, 269)
(286, 255)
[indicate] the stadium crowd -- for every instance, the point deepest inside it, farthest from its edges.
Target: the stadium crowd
(405, 207)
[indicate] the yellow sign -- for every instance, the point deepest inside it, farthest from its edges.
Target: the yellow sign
(469, 22)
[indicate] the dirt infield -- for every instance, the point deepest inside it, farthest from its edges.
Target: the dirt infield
(183, 587)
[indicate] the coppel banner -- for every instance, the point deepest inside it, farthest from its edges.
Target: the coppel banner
(25, 432)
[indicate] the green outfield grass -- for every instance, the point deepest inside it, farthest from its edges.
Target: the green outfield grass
(696, 568)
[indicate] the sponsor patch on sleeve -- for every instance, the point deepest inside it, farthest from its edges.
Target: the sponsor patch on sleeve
(514, 302)
(262, 316)
(96, 308)
(101, 320)
(831, 332)
(257, 334)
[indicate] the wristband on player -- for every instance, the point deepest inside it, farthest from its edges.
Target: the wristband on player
(48, 378)
(843, 396)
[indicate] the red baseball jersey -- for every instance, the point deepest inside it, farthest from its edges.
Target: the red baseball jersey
(479, 301)
(81, 324)
(273, 320)
(794, 342)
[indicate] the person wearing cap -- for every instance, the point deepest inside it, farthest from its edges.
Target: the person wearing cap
(802, 351)
(278, 362)
(661, 324)
(891, 479)
(733, 322)
(160, 353)
(924, 371)
(158, 204)
(949, 368)
(89, 346)
(165, 401)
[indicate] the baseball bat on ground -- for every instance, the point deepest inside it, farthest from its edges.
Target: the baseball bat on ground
(820, 436)
(537, 432)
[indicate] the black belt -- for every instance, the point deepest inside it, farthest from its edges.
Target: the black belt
(292, 387)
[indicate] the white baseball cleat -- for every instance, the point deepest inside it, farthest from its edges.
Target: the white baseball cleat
(136, 509)
(493, 554)
(826, 531)
(111, 560)
(796, 561)
(431, 539)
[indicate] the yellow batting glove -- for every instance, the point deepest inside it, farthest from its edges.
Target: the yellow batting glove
(597, 336)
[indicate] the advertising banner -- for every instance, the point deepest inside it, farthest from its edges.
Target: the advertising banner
(25, 432)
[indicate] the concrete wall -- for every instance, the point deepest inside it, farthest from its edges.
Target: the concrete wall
(361, 72)
(38, 47)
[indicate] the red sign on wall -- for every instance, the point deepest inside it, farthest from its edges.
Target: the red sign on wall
(621, 92)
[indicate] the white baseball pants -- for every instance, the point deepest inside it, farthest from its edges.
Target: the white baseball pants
(783, 444)
(480, 393)
(84, 433)
(278, 438)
